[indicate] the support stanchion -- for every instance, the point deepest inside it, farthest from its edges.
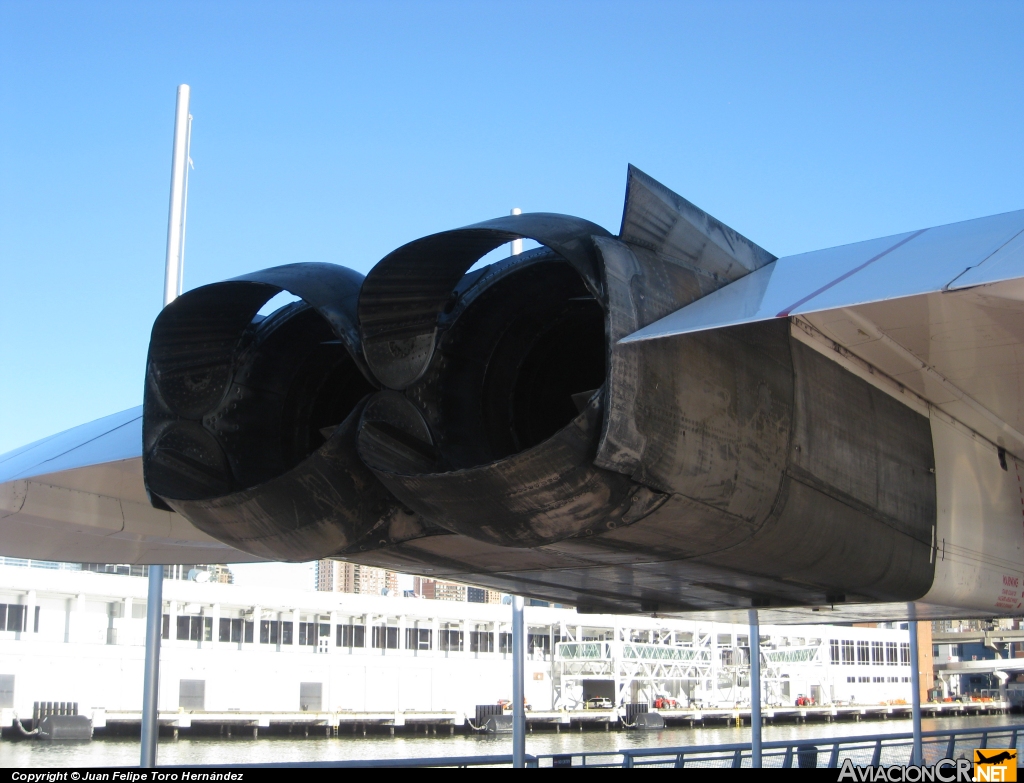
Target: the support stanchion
(915, 685)
(518, 695)
(151, 681)
(172, 288)
(755, 689)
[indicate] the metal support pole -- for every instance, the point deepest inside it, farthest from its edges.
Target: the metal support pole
(755, 689)
(518, 696)
(172, 288)
(151, 683)
(915, 685)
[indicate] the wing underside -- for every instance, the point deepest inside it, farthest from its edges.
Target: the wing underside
(79, 497)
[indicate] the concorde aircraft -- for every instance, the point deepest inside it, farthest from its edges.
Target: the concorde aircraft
(669, 420)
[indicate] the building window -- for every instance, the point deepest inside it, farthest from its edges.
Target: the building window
(385, 637)
(851, 679)
(286, 632)
(481, 641)
(249, 624)
(270, 631)
(848, 658)
(417, 638)
(863, 653)
(310, 633)
(863, 679)
(878, 679)
(351, 636)
(833, 650)
(504, 642)
(891, 654)
(166, 631)
(195, 628)
(450, 641)
(539, 641)
(905, 653)
(231, 630)
(12, 617)
(877, 654)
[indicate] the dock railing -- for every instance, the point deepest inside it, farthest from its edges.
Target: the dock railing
(873, 750)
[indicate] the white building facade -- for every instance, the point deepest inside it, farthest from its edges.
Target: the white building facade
(79, 637)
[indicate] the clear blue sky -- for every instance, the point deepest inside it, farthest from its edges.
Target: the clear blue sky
(336, 132)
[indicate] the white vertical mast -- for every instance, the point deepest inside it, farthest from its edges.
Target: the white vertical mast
(516, 244)
(184, 205)
(172, 287)
(176, 212)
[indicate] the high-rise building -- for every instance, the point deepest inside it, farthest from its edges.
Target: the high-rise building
(449, 591)
(334, 576)
(325, 575)
(422, 587)
(221, 574)
(481, 595)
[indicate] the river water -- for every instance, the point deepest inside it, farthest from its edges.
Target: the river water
(107, 752)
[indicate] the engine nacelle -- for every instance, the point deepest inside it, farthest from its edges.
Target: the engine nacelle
(498, 406)
(509, 394)
(249, 423)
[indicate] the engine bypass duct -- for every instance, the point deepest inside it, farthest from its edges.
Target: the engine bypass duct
(249, 423)
(509, 383)
(489, 423)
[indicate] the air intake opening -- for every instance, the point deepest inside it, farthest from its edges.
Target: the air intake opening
(520, 361)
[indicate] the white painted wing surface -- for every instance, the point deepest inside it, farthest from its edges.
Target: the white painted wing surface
(78, 496)
(958, 255)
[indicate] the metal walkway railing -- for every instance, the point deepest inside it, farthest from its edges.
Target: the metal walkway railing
(864, 750)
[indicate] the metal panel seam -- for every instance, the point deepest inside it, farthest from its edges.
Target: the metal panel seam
(949, 286)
